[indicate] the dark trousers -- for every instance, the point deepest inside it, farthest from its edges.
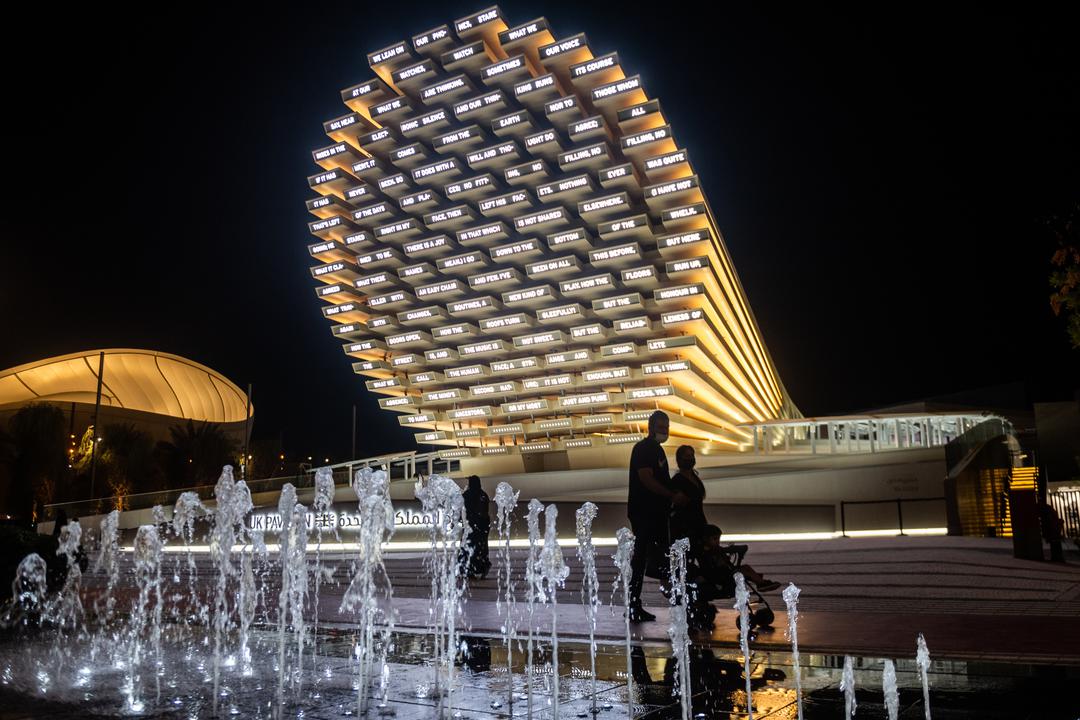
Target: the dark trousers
(473, 556)
(650, 547)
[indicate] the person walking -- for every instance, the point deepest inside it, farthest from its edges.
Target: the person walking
(648, 503)
(474, 559)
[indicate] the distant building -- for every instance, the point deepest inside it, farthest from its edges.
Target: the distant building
(153, 391)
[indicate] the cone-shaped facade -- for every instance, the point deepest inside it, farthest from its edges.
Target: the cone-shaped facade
(516, 251)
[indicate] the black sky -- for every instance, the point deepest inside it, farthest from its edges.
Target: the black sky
(879, 177)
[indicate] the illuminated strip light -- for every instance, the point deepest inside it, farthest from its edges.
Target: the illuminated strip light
(515, 429)
(623, 439)
(896, 532)
(1023, 478)
(464, 452)
(572, 541)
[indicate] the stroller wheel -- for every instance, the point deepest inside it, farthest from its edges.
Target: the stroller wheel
(751, 632)
(764, 617)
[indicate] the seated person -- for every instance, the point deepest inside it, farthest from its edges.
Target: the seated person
(714, 570)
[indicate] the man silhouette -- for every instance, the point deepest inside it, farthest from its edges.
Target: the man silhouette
(647, 506)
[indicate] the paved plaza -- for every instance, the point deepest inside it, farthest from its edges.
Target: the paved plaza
(868, 596)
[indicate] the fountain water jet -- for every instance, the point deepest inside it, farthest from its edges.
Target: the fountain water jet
(532, 521)
(187, 509)
(27, 592)
(847, 684)
(922, 659)
(888, 689)
(146, 611)
(742, 604)
(441, 497)
(69, 609)
(247, 603)
(108, 561)
(679, 631)
(233, 505)
(292, 540)
(551, 571)
(505, 502)
(791, 599)
(376, 527)
(320, 504)
(589, 584)
(624, 554)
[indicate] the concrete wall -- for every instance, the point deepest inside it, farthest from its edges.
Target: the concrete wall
(748, 495)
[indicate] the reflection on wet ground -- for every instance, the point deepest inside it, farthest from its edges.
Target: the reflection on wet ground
(958, 689)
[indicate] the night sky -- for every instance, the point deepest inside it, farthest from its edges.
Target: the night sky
(880, 179)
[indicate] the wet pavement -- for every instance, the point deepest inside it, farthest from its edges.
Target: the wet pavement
(871, 596)
(959, 689)
(1004, 636)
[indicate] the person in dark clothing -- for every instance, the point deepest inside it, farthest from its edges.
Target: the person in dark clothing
(689, 520)
(1053, 530)
(478, 516)
(716, 567)
(709, 567)
(647, 505)
(59, 523)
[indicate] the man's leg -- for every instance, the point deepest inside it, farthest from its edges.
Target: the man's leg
(643, 541)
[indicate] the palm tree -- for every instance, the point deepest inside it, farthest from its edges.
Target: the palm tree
(1065, 278)
(195, 454)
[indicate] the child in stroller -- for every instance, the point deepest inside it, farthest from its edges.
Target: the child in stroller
(711, 569)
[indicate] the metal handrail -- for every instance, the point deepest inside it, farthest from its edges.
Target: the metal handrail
(409, 462)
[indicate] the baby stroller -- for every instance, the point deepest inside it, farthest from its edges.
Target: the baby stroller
(711, 576)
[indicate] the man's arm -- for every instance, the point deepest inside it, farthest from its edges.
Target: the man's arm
(653, 485)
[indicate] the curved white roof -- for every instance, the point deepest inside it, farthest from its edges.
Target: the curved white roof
(143, 380)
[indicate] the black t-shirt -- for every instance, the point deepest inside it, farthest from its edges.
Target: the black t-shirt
(641, 502)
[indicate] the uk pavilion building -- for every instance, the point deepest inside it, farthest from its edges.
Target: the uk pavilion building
(519, 258)
(516, 251)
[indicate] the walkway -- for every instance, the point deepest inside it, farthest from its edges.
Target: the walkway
(872, 596)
